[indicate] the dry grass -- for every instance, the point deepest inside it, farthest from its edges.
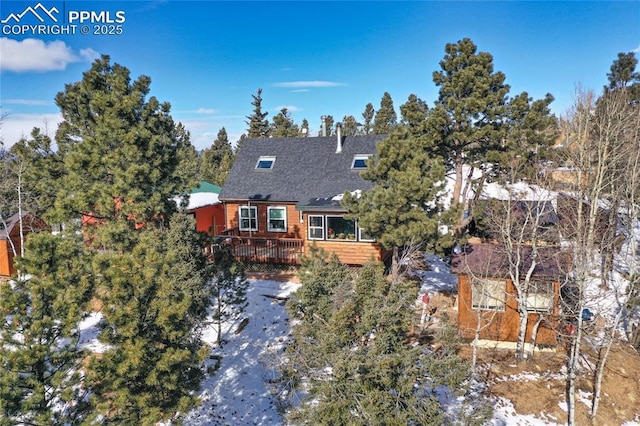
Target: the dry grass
(537, 387)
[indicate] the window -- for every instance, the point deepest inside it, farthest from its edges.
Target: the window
(363, 236)
(248, 218)
(265, 163)
(316, 227)
(488, 294)
(539, 297)
(277, 219)
(359, 162)
(339, 228)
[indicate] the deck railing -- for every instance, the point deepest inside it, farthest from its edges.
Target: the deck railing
(265, 250)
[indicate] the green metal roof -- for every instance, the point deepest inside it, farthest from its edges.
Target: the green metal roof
(206, 187)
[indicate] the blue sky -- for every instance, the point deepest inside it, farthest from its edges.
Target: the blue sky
(207, 57)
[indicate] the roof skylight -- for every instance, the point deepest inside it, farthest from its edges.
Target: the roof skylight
(359, 162)
(265, 163)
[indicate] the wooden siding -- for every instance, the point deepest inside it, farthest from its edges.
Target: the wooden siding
(294, 228)
(503, 325)
(30, 224)
(210, 219)
(351, 253)
(6, 259)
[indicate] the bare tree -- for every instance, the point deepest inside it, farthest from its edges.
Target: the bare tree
(523, 225)
(483, 296)
(603, 135)
(618, 121)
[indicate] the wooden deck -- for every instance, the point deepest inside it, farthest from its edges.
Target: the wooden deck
(265, 250)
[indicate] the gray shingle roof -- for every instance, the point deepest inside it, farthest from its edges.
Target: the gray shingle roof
(490, 260)
(307, 171)
(13, 221)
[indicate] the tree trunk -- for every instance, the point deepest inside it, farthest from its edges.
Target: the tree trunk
(395, 273)
(464, 219)
(20, 213)
(218, 321)
(572, 369)
(522, 332)
(534, 336)
(604, 351)
(457, 186)
(597, 386)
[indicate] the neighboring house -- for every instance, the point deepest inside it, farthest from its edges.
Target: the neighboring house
(487, 298)
(283, 195)
(10, 239)
(203, 205)
(207, 209)
(569, 211)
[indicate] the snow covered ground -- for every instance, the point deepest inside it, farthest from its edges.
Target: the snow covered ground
(238, 394)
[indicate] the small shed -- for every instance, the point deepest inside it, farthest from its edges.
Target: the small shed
(207, 209)
(487, 297)
(10, 239)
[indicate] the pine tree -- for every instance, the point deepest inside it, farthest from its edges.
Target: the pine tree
(216, 161)
(189, 162)
(34, 163)
(368, 116)
(40, 357)
(386, 117)
(304, 128)
(238, 146)
(349, 125)
(403, 206)
(319, 278)
(531, 131)
(414, 113)
(228, 287)
(124, 159)
(350, 342)
(623, 71)
(623, 75)
(258, 124)
(476, 125)
(120, 152)
(471, 107)
(155, 300)
(283, 125)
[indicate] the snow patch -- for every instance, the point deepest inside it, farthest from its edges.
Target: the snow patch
(357, 193)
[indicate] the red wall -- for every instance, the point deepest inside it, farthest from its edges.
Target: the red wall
(210, 219)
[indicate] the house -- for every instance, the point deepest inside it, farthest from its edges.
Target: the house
(283, 195)
(10, 239)
(487, 299)
(206, 208)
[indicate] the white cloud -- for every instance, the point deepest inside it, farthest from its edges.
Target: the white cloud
(30, 102)
(290, 108)
(35, 55)
(309, 83)
(17, 126)
(205, 111)
(89, 54)
(205, 130)
(300, 91)
(636, 50)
